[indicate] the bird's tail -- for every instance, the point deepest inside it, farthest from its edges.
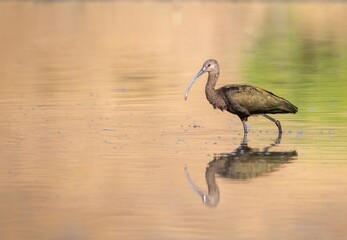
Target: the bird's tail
(288, 107)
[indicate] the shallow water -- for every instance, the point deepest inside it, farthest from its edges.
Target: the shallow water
(98, 143)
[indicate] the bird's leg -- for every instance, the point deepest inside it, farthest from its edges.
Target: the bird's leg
(245, 131)
(244, 140)
(278, 124)
(279, 137)
(278, 141)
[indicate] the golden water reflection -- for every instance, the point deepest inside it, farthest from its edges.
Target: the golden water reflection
(241, 164)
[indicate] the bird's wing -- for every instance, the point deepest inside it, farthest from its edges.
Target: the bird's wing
(257, 100)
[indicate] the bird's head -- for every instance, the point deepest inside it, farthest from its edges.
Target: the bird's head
(209, 66)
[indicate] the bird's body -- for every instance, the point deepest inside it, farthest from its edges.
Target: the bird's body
(246, 100)
(242, 100)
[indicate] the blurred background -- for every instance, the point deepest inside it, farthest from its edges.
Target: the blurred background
(97, 141)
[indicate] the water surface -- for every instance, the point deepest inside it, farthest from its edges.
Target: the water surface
(98, 143)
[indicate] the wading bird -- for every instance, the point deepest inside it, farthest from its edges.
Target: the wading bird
(242, 100)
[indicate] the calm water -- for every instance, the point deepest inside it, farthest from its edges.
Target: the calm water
(97, 141)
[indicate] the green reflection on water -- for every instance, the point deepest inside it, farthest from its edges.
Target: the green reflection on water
(308, 69)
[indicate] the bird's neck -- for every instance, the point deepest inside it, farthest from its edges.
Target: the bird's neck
(211, 83)
(211, 94)
(213, 189)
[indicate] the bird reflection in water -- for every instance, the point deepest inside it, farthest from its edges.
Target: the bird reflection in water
(242, 164)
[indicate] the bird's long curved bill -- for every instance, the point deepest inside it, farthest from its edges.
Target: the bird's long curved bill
(195, 188)
(202, 71)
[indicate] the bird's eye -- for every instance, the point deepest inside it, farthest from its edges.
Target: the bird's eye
(209, 65)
